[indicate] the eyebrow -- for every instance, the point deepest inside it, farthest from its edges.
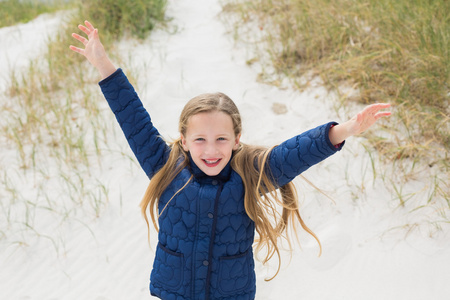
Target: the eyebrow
(217, 135)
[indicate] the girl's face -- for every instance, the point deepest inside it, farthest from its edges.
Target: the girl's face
(210, 139)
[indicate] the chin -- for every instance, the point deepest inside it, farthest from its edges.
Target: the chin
(212, 172)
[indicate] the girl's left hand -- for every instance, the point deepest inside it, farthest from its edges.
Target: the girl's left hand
(367, 117)
(359, 123)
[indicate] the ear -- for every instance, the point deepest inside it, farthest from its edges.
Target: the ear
(184, 144)
(236, 142)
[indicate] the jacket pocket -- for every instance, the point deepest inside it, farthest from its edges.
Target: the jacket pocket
(168, 268)
(235, 273)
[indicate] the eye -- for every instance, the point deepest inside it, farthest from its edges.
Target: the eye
(221, 139)
(199, 139)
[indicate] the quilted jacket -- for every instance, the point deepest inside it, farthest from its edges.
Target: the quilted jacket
(205, 237)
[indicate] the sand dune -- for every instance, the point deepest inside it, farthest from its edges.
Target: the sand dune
(363, 258)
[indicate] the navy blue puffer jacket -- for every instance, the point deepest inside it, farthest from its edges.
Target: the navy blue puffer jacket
(205, 237)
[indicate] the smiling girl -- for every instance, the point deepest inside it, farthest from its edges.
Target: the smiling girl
(209, 192)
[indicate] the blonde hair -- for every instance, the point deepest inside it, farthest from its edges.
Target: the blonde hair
(262, 197)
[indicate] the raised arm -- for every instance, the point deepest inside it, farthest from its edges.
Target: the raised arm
(144, 139)
(297, 154)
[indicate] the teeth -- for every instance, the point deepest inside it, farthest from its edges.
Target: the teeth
(211, 161)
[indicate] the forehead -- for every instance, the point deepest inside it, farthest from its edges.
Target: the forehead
(210, 122)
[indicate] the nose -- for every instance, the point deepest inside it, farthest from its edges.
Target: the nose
(211, 148)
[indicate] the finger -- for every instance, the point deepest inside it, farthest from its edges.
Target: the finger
(382, 114)
(369, 109)
(96, 34)
(80, 38)
(374, 108)
(89, 25)
(76, 49)
(379, 106)
(84, 29)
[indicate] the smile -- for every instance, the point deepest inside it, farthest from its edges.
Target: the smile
(212, 163)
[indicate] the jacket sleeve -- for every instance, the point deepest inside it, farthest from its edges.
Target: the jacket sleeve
(296, 155)
(149, 148)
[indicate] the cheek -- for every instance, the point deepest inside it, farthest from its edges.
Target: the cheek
(227, 149)
(195, 149)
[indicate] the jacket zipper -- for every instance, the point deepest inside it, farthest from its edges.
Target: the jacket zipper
(211, 242)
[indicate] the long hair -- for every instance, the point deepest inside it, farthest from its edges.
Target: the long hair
(262, 198)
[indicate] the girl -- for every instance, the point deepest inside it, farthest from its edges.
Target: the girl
(211, 191)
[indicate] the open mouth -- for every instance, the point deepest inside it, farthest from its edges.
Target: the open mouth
(212, 162)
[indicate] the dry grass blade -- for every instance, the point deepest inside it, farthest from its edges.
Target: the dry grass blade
(387, 51)
(55, 124)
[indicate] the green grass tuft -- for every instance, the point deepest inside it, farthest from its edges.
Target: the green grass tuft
(57, 123)
(14, 11)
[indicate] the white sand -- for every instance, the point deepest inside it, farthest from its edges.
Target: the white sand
(365, 255)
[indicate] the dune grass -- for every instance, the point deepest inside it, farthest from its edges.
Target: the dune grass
(56, 125)
(14, 11)
(366, 52)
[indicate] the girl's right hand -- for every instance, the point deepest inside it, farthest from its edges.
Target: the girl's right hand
(94, 50)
